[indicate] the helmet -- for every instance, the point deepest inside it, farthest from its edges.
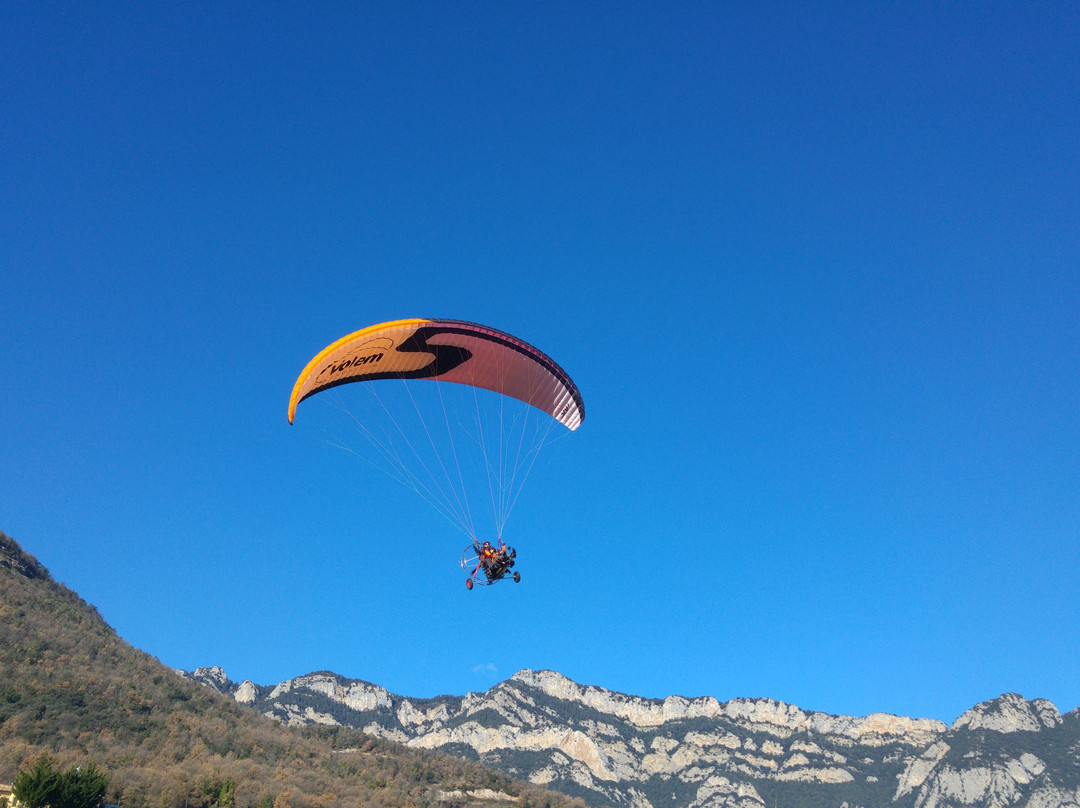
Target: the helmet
(487, 544)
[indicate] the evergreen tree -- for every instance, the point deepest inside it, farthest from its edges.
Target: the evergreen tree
(42, 786)
(82, 787)
(39, 786)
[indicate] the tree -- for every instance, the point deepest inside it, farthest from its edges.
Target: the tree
(227, 794)
(42, 786)
(39, 786)
(83, 787)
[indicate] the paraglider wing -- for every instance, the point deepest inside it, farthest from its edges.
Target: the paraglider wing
(444, 350)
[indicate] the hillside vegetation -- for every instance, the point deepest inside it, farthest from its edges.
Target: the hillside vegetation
(70, 687)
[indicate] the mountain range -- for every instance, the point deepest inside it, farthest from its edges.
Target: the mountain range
(70, 687)
(610, 748)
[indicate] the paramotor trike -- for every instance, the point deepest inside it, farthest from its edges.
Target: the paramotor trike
(484, 564)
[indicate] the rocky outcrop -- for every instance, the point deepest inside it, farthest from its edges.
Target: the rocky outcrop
(1010, 713)
(991, 757)
(358, 696)
(627, 751)
(214, 678)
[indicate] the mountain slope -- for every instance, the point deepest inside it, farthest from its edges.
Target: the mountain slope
(70, 686)
(676, 752)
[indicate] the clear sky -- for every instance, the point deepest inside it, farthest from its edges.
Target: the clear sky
(814, 268)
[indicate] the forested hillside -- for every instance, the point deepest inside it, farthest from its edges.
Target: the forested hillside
(71, 687)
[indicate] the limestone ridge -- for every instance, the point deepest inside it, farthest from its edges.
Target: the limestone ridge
(621, 750)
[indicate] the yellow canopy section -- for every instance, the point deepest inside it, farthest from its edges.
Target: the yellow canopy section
(444, 350)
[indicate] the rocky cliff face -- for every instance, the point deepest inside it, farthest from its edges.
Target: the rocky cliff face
(620, 750)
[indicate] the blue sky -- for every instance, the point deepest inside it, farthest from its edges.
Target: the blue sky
(813, 268)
